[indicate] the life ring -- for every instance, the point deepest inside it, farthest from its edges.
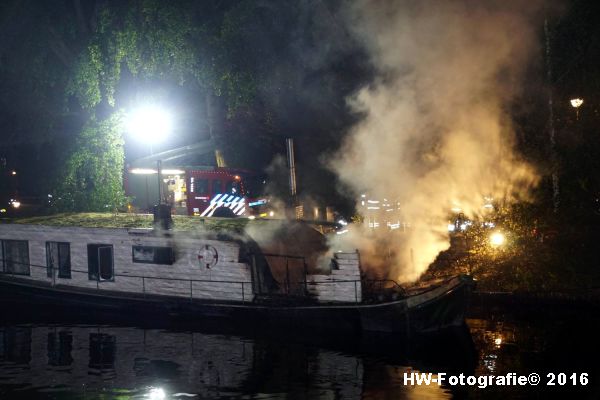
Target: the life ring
(208, 256)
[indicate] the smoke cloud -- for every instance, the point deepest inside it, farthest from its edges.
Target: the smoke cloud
(435, 130)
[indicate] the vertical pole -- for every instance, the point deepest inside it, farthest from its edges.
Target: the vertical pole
(158, 170)
(291, 165)
(191, 290)
(355, 293)
(292, 170)
(147, 195)
(243, 301)
(144, 285)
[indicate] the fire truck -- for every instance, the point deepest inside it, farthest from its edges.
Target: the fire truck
(204, 191)
(200, 190)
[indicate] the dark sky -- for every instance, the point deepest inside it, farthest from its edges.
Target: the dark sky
(306, 63)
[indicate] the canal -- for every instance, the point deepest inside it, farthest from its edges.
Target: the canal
(46, 360)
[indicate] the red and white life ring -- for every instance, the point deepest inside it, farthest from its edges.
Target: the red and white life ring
(208, 256)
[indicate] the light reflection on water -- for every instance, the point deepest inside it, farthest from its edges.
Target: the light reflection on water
(111, 362)
(131, 363)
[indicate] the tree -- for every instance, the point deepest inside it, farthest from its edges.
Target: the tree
(93, 174)
(158, 43)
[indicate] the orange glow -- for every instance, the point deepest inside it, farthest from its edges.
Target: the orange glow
(497, 239)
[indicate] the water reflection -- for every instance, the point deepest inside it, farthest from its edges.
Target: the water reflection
(110, 362)
(123, 362)
(541, 341)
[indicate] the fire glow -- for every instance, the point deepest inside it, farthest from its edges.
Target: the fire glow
(436, 118)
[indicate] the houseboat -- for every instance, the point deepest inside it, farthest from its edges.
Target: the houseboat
(262, 273)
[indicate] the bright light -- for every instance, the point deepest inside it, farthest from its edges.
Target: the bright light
(143, 171)
(251, 217)
(157, 394)
(15, 203)
(149, 124)
(271, 213)
(342, 232)
(497, 239)
(149, 171)
(576, 103)
(2, 210)
(498, 341)
(451, 227)
(14, 173)
(172, 171)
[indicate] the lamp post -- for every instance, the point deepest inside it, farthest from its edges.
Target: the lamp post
(151, 124)
(576, 103)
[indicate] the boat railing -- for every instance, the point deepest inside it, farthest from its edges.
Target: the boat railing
(379, 290)
(245, 288)
(370, 290)
(362, 290)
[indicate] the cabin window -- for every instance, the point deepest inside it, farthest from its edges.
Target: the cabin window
(58, 257)
(15, 257)
(100, 262)
(201, 186)
(152, 255)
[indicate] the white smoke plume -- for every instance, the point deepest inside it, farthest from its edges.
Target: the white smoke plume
(436, 129)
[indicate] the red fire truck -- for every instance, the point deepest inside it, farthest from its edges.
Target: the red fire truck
(194, 190)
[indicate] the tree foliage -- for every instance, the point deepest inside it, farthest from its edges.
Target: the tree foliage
(93, 179)
(156, 42)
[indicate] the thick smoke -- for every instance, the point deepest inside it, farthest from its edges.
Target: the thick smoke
(436, 130)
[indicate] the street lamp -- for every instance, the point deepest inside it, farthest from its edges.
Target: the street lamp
(151, 124)
(576, 103)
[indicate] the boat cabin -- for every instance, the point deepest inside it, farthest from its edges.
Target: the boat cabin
(202, 260)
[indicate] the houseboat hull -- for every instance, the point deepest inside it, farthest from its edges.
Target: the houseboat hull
(263, 276)
(433, 310)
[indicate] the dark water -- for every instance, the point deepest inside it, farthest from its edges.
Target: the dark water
(74, 361)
